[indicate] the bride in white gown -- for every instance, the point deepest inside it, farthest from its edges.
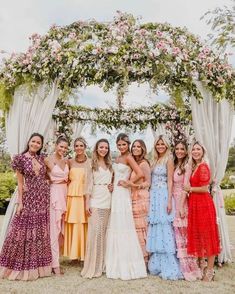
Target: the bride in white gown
(124, 258)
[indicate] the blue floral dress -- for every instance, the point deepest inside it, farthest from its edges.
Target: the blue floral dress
(160, 238)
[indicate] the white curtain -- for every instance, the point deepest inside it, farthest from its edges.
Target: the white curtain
(160, 130)
(212, 122)
(30, 112)
(77, 130)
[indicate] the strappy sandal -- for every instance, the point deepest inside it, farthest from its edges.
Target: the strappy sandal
(209, 275)
(202, 265)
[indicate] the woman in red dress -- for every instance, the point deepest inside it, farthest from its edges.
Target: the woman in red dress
(203, 237)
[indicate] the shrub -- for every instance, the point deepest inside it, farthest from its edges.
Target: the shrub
(229, 202)
(7, 187)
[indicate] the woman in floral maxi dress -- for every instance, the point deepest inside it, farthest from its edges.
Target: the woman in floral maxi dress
(182, 172)
(26, 252)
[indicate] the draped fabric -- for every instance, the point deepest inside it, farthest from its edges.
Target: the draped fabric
(212, 122)
(30, 112)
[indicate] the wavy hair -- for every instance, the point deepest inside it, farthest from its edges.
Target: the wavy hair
(95, 156)
(165, 157)
(185, 159)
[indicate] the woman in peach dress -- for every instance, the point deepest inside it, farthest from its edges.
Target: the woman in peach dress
(58, 173)
(140, 194)
(75, 218)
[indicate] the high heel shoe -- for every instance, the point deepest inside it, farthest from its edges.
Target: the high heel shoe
(209, 275)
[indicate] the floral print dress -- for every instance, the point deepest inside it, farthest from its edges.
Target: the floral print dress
(26, 252)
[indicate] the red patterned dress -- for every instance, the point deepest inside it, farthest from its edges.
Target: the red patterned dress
(203, 237)
(26, 252)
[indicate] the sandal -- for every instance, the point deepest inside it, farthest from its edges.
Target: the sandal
(202, 265)
(57, 271)
(209, 275)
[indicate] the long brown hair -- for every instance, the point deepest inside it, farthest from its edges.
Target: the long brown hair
(95, 156)
(185, 159)
(144, 151)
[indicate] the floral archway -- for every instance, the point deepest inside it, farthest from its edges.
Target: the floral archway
(113, 55)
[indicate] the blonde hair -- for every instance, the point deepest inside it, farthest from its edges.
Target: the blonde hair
(82, 140)
(95, 156)
(165, 157)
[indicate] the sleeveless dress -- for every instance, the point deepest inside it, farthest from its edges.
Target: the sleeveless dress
(100, 203)
(203, 236)
(57, 209)
(124, 258)
(161, 239)
(140, 207)
(188, 264)
(75, 218)
(26, 252)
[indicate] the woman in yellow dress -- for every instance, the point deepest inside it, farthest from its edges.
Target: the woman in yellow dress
(75, 219)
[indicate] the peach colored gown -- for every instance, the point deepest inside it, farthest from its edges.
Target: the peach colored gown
(140, 206)
(58, 194)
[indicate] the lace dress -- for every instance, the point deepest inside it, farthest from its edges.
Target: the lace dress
(26, 252)
(188, 264)
(203, 237)
(100, 203)
(160, 238)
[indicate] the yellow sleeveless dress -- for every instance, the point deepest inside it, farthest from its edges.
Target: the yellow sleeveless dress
(75, 219)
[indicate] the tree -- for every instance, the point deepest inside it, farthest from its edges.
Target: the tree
(222, 22)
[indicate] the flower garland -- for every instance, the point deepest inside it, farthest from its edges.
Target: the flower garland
(175, 119)
(117, 54)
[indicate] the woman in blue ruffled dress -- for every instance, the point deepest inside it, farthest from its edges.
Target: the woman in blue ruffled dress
(160, 239)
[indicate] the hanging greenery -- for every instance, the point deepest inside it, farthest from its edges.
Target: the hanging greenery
(176, 120)
(116, 54)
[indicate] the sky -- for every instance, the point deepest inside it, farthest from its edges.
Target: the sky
(20, 19)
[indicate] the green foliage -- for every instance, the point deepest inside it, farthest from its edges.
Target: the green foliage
(227, 183)
(222, 22)
(229, 202)
(231, 160)
(7, 186)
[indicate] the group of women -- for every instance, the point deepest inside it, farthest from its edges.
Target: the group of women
(123, 218)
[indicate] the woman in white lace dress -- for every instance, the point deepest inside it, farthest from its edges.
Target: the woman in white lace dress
(124, 258)
(98, 202)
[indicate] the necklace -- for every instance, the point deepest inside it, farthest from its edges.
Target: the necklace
(81, 160)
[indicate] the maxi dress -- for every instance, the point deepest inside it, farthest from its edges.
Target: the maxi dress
(188, 264)
(124, 258)
(26, 252)
(161, 240)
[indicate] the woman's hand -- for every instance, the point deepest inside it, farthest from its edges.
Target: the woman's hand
(187, 188)
(88, 208)
(123, 184)
(110, 187)
(19, 208)
(169, 207)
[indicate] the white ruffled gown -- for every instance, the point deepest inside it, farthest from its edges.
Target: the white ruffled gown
(124, 258)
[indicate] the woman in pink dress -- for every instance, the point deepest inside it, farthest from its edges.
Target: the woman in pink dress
(58, 173)
(140, 194)
(188, 264)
